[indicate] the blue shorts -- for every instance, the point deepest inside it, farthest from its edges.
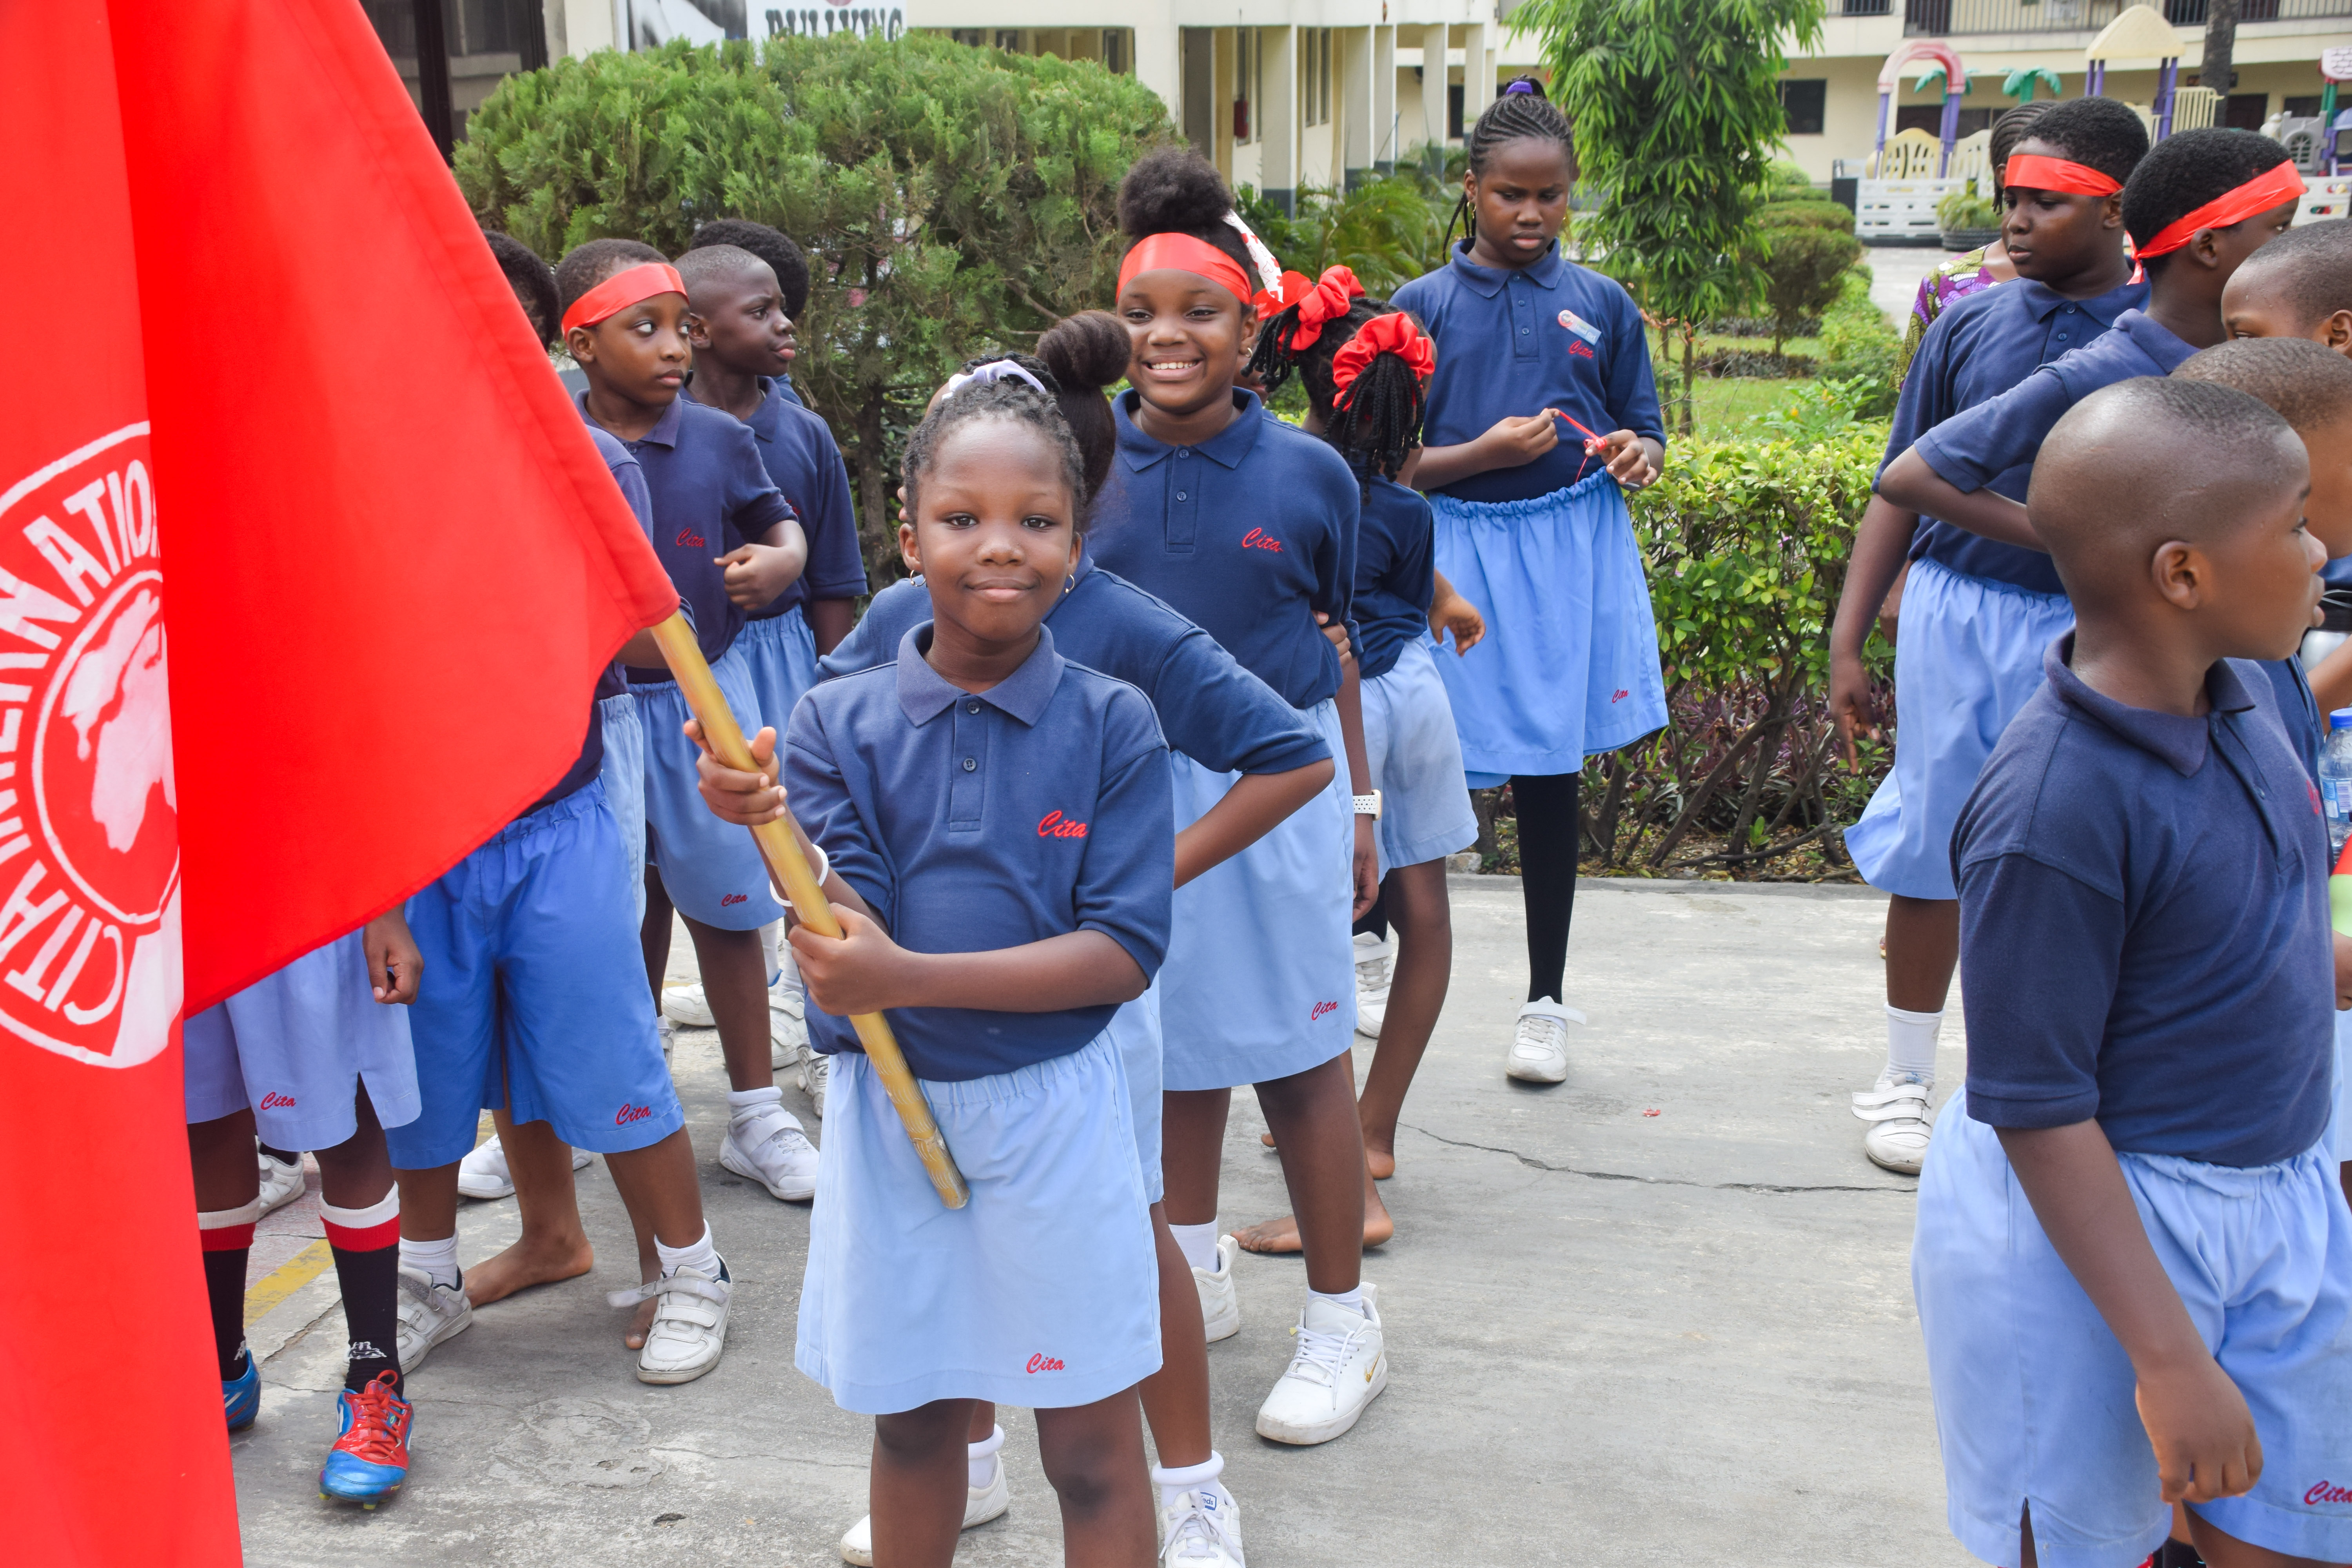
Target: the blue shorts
(1416, 762)
(2034, 1395)
(1260, 978)
(2339, 1136)
(711, 870)
(535, 992)
(295, 1045)
(1569, 667)
(1043, 1290)
(782, 656)
(1968, 654)
(623, 778)
(1135, 1030)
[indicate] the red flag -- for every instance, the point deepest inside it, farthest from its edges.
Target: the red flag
(393, 565)
(397, 560)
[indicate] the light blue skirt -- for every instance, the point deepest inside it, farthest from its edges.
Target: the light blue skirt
(1260, 979)
(2034, 1394)
(1043, 1291)
(1416, 762)
(295, 1045)
(1569, 667)
(1135, 1030)
(782, 656)
(1968, 654)
(623, 777)
(2339, 1137)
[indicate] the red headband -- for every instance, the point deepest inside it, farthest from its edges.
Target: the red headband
(2259, 195)
(1183, 253)
(1394, 333)
(621, 290)
(2033, 172)
(1325, 299)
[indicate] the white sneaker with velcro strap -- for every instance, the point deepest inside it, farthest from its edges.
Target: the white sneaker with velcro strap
(981, 1504)
(1900, 1121)
(280, 1183)
(688, 1006)
(483, 1174)
(765, 1143)
(689, 1327)
(1374, 961)
(429, 1314)
(1221, 1305)
(1539, 1042)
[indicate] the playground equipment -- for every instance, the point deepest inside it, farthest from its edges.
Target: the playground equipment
(2140, 33)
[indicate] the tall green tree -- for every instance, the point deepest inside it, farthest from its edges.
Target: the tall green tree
(950, 199)
(1676, 106)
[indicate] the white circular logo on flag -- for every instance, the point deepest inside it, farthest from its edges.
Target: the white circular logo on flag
(90, 843)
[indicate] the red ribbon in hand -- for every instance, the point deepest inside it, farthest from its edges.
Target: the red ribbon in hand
(1325, 299)
(1394, 333)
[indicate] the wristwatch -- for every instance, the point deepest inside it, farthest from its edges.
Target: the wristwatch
(1368, 804)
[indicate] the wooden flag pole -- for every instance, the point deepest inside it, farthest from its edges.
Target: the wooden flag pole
(782, 850)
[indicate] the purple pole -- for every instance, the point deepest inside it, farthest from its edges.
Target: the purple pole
(1879, 159)
(2165, 74)
(1950, 130)
(2095, 83)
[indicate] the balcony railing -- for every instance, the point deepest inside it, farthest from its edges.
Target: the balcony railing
(1944, 18)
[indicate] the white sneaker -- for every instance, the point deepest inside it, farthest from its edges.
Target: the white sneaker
(1202, 1527)
(787, 1023)
(430, 1314)
(981, 1504)
(1540, 1045)
(668, 1032)
(817, 1071)
(1338, 1367)
(1900, 1122)
(1220, 1304)
(687, 1006)
(765, 1144)
(689, 1327)
(280, 1183)
(1373, 961)
(484, 1174)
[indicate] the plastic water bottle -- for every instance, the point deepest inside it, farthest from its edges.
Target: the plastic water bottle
(2336, 781)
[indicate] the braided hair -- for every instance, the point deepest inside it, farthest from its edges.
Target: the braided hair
(2013, 126)
(1380, 424)
(1522, 111)
(1007, 398)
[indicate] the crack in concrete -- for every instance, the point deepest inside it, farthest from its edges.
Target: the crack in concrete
(858, 1465)
(1531, 1162)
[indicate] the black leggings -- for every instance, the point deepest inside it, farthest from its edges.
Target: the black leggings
(1546, 804)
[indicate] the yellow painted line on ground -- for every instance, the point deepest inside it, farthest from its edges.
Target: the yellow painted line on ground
(285, 1280)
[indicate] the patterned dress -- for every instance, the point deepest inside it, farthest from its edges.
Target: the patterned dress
(1962, 275)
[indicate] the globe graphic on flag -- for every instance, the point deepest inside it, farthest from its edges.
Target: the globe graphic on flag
(106, 759)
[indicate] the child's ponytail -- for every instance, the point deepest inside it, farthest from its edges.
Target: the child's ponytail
(1086, 353)
(1366, 378)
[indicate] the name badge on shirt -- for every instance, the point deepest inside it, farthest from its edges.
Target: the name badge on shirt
(1580, 326)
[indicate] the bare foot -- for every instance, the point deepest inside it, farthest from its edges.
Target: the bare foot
(1379, 1157)
(1281, 1236)
(529, 1262)
(641, 1323)
(1267, 1138)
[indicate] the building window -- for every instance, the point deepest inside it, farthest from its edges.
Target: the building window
(1314, 75)
(2302, 107)
(1009, 40)
(970, 36)
(1246, 59)
(1114, 50)
(1929, 117)
(1804, 102)
(1453, 112)
(2245, 111)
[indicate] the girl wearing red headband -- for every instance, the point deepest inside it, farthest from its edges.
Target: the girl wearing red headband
(1542, 414)
(1365, 373)
(1247, 526)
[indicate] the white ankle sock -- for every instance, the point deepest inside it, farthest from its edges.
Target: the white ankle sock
(1911, 1043)
(436, 1261)
(1351, 1300)
(743, 1103)
(787, 966)
(980, 1458)
(1174, 1484)
(700, 1256)
(772, 937)
(1198, 1243)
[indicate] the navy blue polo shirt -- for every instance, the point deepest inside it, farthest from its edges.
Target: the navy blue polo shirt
(1977, 445)
(2144, 934)
(971, 821)
(1976, 347)
(709, 495)
(2299, 710)
(1248, 536)
(1512, 341)
(1209, 707)
(1396, 574)
(632, 480)
(786, 390)
(797, 449)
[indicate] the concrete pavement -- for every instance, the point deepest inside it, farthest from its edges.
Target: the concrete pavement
(1660, 1313)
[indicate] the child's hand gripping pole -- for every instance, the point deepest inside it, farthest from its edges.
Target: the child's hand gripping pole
(782, 850)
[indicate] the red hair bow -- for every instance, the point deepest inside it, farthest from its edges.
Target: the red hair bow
(1325, 299)
(1394, 333)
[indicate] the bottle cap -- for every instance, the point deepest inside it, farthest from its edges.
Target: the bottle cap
(2340, 720)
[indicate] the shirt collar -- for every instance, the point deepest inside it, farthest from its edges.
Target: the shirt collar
(664, 430)
(1544, 272)
(924, 694)
(2180, 742)
(1227, 447)
(2045, 301)
(2165, 349)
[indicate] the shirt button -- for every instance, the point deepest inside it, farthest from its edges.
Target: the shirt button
(1182, 453)
(1523, 332)
(971, 707)
(1180, 495)
(2062, 337)
(969, 764)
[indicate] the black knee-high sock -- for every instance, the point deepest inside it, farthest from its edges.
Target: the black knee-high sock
(1546, 808)
(1376, 919)
(366, 1245)
(225, 1252)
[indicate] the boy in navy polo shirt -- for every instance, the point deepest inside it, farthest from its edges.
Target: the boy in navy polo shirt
(742, 344)
(1000, 823)
(1975, 613)
(730, 544)
(785, 260)
(2196, 207)
(2167, 1314)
